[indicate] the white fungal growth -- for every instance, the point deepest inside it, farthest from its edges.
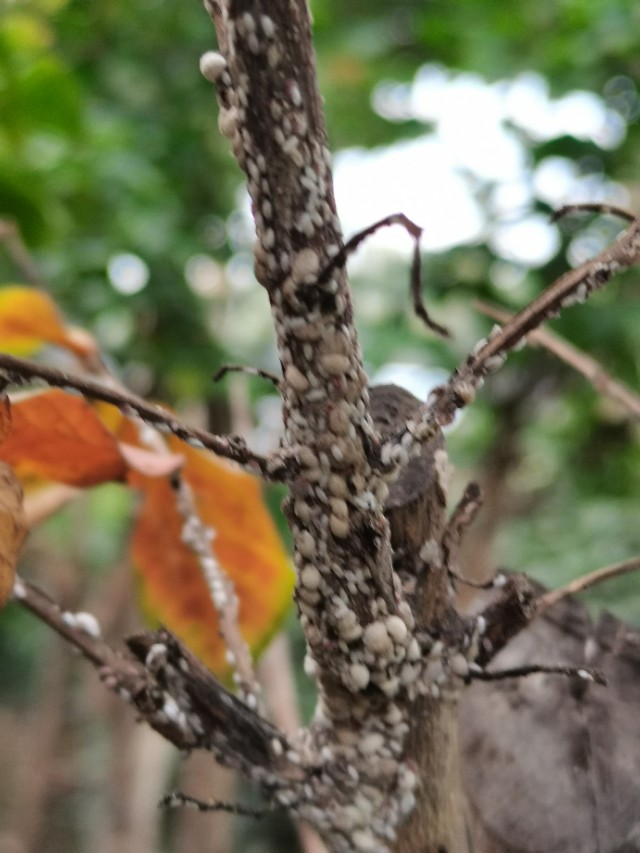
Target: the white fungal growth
(334, 363)
(360, 675)
(495, 362)
(390, 687)
(431, 553)
(338, 486)
(296, 379)
(228, 122)
(385, 454)
(268, 238)
(339, 526)
(339, 507)
(396, 629)
(212, 65)
(348, 626)
(85, 622)
(310, 666)
(173, 713)
(302, 510)
(443, 469)
(577, 298)
(19, 590)
(413, 652)
(246, 23)
(268, 27)
(459, 665)
(157, 652)
(393, 715)
(371, 743)
(310, 577)
(305, 266)
(376, 638)
(306, 545)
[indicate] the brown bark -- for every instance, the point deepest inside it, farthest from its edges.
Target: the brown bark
(416, 509)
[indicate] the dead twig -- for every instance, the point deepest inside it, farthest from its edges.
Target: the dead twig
(549, 599)
(535, 669)
(174, 693)
(488, 355)
(249, 371)
(462, 517)
(589, 207)
(585, 364)
(176, 800)
(415, 232)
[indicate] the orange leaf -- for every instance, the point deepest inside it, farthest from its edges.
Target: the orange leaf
(58, 436)
(29, 319)
(246, 545)
(13, 527)
(5, 417)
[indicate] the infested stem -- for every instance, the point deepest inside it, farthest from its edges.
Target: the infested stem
(199, 538)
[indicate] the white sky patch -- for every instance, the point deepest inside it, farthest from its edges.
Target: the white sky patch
(127, 273)
(417, 178)
(529, 241)
(474, 140)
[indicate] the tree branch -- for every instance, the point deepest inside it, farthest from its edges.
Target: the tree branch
(585, 364)
(274, 468)
(488, 356)
(198, 537)
(176, 695)
(549, 599)
(536, 669)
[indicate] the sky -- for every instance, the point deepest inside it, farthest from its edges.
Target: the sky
(477, 136)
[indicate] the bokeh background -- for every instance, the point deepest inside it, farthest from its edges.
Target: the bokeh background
(474, 119)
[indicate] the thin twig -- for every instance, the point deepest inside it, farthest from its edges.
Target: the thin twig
(415, 232)
(462, 517)
(580, 361)
(176, 800)
(249, 371)
(588, 207)
(12, 238)
(534, 669)
(274, 467)
(172, 691)
(199, 538)
(585, 582)
(489, 355)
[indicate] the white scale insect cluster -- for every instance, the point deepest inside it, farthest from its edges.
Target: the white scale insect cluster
(355, 633)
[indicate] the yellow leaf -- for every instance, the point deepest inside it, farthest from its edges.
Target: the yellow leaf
(29, 319)
(246, 545)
